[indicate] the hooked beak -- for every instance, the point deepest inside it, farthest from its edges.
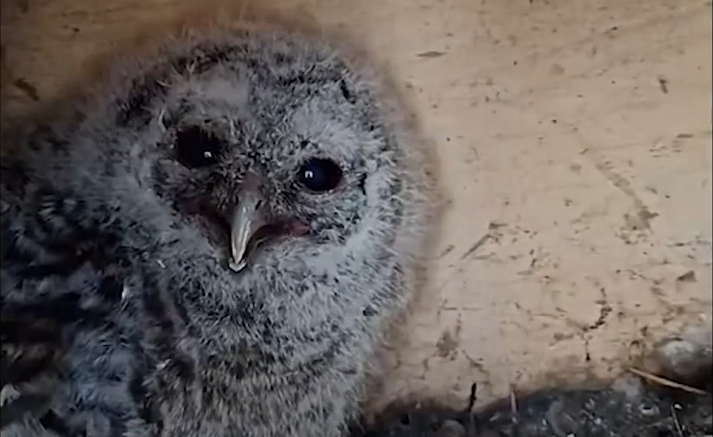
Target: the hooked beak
(251, 224)
(247, 218)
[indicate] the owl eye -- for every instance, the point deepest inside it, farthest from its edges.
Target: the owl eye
(319, 175)
(196, 147)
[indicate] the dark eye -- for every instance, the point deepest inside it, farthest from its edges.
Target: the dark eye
(196, 147)
(320, 175)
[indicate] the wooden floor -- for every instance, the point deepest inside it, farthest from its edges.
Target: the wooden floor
(577, 140)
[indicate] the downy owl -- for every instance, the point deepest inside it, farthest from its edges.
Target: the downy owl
(214, 240)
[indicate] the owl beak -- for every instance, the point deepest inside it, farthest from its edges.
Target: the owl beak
(247, 218)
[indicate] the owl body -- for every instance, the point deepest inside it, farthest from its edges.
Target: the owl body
(221, 235)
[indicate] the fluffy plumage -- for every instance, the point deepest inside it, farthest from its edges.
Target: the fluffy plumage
(117, 223)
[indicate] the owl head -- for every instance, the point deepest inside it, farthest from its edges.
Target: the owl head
(284, 158)
(274, 146)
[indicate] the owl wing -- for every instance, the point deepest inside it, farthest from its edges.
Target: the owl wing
(30, 365)
(54, 329)
(32, 339)
(31, 344)
(45, 289)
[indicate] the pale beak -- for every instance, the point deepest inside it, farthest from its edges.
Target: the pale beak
(245, 221)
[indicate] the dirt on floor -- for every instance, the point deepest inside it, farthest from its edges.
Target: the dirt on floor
(638, 411)
(674, 399)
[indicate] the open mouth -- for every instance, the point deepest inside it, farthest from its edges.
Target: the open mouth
(218, 231)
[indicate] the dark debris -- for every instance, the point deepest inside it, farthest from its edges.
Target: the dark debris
(648, 411)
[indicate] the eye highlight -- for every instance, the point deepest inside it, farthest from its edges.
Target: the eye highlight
(196, 147)
(319, 175)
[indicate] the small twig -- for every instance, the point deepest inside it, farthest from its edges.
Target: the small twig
(666, 382)
(472, 423)
(679, 430)
(514, 417)
(513, 405)
(473, 396)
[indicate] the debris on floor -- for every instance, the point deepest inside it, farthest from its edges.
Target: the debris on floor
(671, 398)
(634, 408)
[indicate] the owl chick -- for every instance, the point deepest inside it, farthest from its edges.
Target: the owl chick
(222, 233)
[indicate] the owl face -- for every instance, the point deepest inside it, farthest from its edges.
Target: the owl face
(264, 151)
